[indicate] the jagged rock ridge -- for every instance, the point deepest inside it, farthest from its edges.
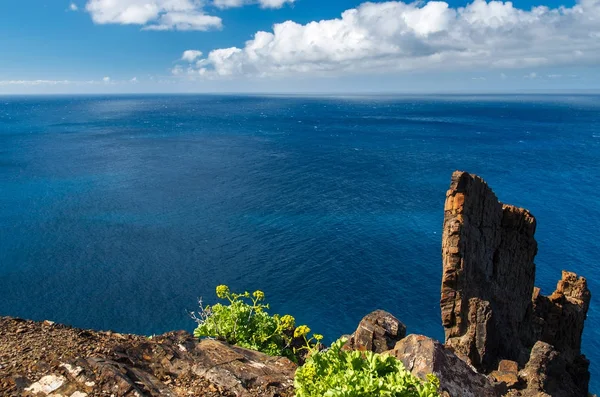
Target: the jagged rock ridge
(490, 308)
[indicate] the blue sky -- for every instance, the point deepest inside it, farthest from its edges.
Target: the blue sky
(53, 46)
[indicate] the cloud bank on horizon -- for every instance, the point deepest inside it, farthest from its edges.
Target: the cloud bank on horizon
(396, 36)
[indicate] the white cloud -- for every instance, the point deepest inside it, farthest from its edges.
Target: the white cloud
(191, 55)
(153, 14)
(261, 3)
(177, 70)
(42, 82)
(73, 7)
(134, 80)
(531, 76)
(34, 82)
(396, 36)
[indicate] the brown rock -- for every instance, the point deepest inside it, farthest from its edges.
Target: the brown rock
(559, 320)
(508, 366)
(239, 369)
(546, 374)
(509, 380)
(72, 362)
(422, 356)
(378, 331)
(487, 246)
(507, 373)
(490, 308)
(560, 317)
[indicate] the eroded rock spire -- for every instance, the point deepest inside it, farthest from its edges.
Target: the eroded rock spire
(491, 310)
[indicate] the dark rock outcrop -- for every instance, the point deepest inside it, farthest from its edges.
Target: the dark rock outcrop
(422, 356)
(378, 332)
(487, 246)
(46, 359)
(547, 374)
(559, 318)
(490, 308)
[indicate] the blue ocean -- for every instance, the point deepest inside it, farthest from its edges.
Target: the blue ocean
(120, 212)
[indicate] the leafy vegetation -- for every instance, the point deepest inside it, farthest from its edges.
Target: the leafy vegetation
(245, 322)
(339, 373)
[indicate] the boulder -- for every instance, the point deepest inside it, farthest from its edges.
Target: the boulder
(377, 332)
(422, 356)
(507, 374)
(546, 374)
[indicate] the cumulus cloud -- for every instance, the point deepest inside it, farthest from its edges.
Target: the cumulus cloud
(261, 3)
(396, 36)
(191, 55)
(73, 7)
(153, 14)
(106, 79)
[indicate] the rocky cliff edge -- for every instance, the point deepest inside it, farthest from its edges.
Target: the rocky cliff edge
(502, 336)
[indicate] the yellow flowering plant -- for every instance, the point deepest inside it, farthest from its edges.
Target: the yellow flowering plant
(245, 322)
(339, 373)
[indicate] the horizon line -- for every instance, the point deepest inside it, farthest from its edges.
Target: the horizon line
(317, 93)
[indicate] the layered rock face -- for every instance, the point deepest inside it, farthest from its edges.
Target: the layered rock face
(490, 308)
(487, 283)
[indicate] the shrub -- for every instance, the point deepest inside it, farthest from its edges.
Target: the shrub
(339, 373)
(245, 322)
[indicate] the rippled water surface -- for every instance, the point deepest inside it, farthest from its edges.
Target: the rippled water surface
(119, 212)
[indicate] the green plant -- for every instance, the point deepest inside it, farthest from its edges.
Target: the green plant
(340, 373)
(245, 322)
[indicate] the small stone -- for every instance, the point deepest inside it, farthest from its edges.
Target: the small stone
(47, 384)
(508, 378)
(508, 366)
(74, 371)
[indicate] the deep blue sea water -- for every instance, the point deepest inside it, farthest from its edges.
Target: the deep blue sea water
(119, 212)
